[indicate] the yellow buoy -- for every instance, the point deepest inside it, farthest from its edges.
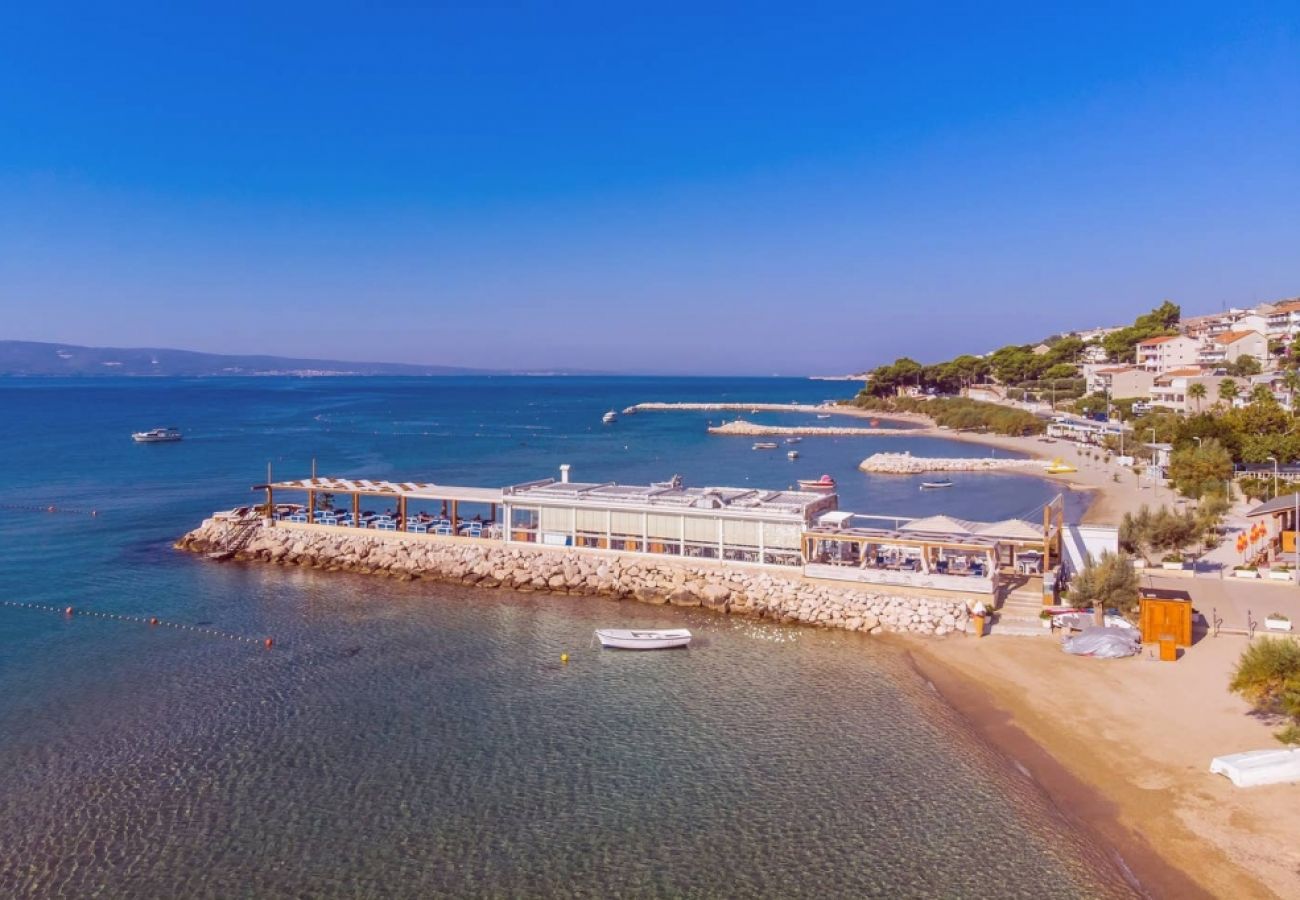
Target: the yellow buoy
(564, 657)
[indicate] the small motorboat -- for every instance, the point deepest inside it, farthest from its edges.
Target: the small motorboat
(609, 417)
(875, 423)
(643, 639)
(156, 436)
(825, 483)
(765, 445)
(823, 415)
(932, 485)
(793, 440)
(793, 454)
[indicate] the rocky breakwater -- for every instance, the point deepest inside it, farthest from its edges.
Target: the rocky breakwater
(907, 464)
(753, 429)
(735, 590)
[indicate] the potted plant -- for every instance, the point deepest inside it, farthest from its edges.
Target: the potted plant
(1245, 572)
(1173, 561)
(1045, 617)
(1277, 622)
(1280, 572)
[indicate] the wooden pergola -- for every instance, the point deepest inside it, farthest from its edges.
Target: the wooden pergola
(400, 492)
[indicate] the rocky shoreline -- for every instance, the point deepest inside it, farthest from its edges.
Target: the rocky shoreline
(733, 590)
(907, 464)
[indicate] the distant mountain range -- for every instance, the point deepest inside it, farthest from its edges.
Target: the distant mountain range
(40, 359)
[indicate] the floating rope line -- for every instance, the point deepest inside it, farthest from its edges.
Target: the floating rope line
(52, 508)
(152, 621)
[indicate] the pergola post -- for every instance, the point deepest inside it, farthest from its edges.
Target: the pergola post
(311, 507)
(401, 512)
(356, 510)
(455, 517)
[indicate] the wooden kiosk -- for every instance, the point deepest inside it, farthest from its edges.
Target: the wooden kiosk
(1165, 614)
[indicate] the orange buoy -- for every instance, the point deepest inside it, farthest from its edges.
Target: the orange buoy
(153, 620)
(68, 611)
(268, 643)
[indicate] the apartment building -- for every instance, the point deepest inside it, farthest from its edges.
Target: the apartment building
(1170, 390)
(1161, 354)
(1229, 346)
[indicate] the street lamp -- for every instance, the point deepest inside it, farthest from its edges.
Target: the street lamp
(1273, 460)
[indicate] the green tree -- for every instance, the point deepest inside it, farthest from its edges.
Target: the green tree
(1146, 533)
(1261, 393)
(1244, 366)
(1268, 677)
(1061, 370)
(1109, 581)
(1291, 381)
(1197, 392)
(1228, 391)
(1199, 468)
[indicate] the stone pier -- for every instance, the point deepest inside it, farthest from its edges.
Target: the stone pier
(728, 588)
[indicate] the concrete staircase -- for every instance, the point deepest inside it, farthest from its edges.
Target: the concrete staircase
(1018, 615)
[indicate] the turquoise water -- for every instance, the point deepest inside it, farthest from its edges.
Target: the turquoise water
(420, 740)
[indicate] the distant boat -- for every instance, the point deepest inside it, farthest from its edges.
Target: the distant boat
(931, 485)
(793, 440)
(156, 436)
(823, 415)
(825, 483)
(653, 639)
(875, 423)
(609, 417)
(765, 445)
(793, 454)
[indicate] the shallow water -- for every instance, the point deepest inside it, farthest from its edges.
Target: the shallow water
(422, 740)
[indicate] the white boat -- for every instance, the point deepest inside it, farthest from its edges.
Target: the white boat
(156, 436)
(793, 440)
(823, 415)
(932, 485)
(765, 445)
(793, 454)
(648, 639)
(1256, 767)
(609, 417)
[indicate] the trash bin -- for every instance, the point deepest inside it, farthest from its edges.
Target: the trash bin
(1168, 648)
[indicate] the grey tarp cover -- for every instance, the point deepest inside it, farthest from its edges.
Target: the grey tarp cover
(1107, 643)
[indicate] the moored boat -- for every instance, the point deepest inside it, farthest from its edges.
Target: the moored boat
(793, 440)
(765, 445)
(931, 485)
(609, 417)
(823, 415)
(643, 639)
(825, 483)
(156, 436)
(793, 454)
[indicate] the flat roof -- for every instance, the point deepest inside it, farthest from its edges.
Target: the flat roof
(670, 496)
(420, 490)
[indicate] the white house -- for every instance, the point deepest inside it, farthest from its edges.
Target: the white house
(1160, 354)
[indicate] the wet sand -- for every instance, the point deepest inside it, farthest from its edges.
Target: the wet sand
(1124, 746)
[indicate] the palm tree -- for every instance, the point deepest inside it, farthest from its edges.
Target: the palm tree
(1291, 381)
(1228, 391)
(1197, 392)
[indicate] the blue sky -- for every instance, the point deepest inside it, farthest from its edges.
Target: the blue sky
(743, 189)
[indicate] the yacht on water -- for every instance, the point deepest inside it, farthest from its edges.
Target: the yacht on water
(609, 417)
(156, 436)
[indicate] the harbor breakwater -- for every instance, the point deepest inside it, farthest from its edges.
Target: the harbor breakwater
(906, 464)
(753, 429)
(729, 589)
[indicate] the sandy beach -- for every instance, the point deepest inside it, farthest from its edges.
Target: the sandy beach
(1127, 748)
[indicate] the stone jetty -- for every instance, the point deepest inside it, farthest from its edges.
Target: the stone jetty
(723, 588)
(906, 464)
(753, 429)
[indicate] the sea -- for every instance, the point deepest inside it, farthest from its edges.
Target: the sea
(423, 740)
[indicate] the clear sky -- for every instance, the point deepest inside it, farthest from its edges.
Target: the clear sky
(755, 189)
